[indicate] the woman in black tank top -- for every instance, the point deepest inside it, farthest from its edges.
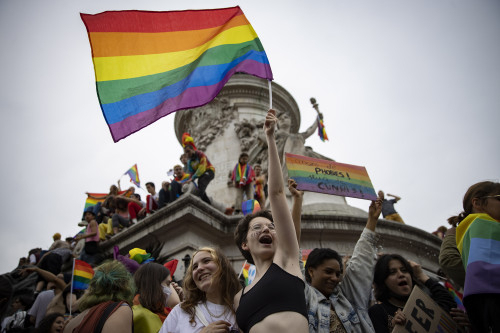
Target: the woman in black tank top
(275, 300)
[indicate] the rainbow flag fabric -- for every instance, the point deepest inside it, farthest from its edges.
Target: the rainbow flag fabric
(321, 129)
(241, 172)
(330, 177)
(94, 198)
(150, 64)
(82, 274)
(133, 173)
(250, 206)
(478, 240)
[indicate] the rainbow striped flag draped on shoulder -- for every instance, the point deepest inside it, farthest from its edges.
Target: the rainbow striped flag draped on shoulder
(150, 64)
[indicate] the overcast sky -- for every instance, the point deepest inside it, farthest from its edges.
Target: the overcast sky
(408, 89)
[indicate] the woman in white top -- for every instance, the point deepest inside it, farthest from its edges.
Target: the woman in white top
(209, 288)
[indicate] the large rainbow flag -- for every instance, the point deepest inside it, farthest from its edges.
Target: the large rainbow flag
(82, 274)
(330, 177)
(150, 64)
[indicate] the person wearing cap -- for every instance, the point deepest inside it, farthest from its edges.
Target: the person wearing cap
(91, 249)
(199, 167)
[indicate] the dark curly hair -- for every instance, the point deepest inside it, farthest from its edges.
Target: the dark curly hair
(47, 321)
(316, 258)
(382, 292)
(240, 234)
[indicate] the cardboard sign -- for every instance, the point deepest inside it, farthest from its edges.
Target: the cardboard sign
(424, 315)
(329, 177)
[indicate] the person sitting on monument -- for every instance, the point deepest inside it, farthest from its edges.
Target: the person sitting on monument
(394, 278)
(176, 186)
(199, 167)
(151, 198)
(242, 177)
(259, 184)
(388, 211)
(164, 194)
(125, 210)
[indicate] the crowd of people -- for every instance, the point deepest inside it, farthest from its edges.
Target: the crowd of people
(366, 292)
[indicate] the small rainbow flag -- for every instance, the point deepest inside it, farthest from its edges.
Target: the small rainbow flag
(150, 64)
(134, 175)
(250, 206)
(248, 273)
(304, 254)
(330, 177)
(321, 129)
(82, 274)
(457, 296)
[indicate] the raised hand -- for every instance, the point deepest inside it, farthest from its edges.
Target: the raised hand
(270, 123)
(292, 187)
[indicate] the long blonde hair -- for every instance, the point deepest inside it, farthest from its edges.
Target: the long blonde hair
(225, 276)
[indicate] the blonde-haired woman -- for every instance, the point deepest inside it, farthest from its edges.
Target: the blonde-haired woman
(209, 286)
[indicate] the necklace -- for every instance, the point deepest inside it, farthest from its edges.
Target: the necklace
(211, 314)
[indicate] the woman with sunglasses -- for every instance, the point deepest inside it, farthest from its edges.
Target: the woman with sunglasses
(478, 240)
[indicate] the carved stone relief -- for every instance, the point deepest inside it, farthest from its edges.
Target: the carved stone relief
(207, 122)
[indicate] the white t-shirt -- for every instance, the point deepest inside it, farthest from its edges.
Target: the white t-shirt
(178, 320)
(39, 308)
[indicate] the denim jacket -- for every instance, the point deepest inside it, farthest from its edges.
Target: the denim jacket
(350, 298)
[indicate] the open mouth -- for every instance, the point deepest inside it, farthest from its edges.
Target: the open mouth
(402, 283)
(203, 277)
(265, 239)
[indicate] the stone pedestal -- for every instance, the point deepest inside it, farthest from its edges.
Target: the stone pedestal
(224, 128)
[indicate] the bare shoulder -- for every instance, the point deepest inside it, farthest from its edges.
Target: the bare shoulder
(119, 321)
(71, 324)
(237, 298)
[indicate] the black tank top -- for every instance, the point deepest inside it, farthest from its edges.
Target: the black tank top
(276, 291)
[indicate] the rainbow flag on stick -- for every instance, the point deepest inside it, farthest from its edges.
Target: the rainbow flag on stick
(329, 177)
(133, 173)
(150, 64)
(82, 274)
(248, 271)
(321, 129)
